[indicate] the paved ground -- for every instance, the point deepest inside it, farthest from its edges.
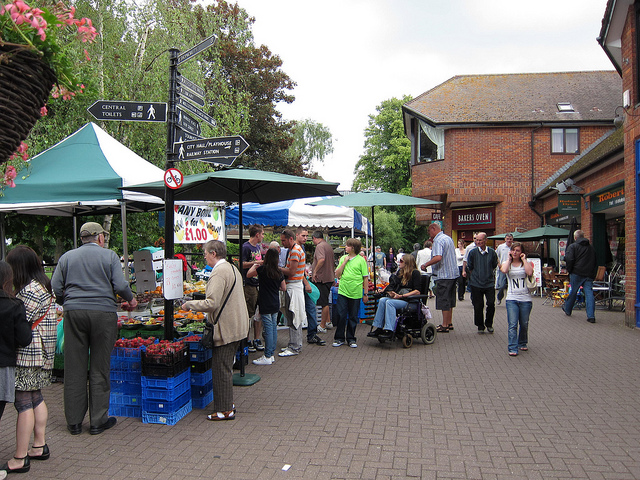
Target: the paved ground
(460, 408)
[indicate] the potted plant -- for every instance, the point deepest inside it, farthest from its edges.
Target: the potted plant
(36, 55)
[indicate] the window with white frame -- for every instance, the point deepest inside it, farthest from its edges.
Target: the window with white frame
(565, 140)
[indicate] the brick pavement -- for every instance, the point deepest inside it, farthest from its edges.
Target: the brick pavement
(458, 409)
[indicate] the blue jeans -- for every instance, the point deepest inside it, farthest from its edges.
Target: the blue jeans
(518, 315)
(587, 288)
(270, 329)
(386, 313)
(312, 316)
(347, 312)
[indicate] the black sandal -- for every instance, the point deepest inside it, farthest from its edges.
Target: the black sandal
(44, 455)
(442, 329)
(26, 466)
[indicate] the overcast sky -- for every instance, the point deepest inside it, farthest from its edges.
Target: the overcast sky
(347, 56)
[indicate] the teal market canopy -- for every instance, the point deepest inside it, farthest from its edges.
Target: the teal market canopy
(82, 175)
(540, 233)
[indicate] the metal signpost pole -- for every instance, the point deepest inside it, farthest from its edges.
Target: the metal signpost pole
(168, 199)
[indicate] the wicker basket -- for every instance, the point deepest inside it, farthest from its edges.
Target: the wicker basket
(25, 83)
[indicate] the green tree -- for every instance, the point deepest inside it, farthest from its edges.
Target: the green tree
(385, 165)
(312, 142)
(385, 162)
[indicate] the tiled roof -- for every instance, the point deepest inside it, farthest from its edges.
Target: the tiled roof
(610, 143)
(525, 97)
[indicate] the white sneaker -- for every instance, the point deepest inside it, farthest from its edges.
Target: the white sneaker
(329, 326)
(337, 343)
(287, 353)
(321, 330)
(263, 360)
(353, 344)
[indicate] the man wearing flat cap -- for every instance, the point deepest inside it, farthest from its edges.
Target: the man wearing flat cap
(86, 282)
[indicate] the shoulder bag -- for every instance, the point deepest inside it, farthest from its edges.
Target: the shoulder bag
(207, 335)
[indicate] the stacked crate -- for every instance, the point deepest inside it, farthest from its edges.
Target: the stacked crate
(166, 383)
(201, 376)
(126, 391)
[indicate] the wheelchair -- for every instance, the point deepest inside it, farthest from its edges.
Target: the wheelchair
(411, 323)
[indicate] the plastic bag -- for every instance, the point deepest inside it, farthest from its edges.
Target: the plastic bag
(60, 340)
(426, 311)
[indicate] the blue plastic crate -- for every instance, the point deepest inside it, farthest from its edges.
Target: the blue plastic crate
(245, 353)
(198, 391)
(122, 376)
(201, 378)
(152, 405)
(126, 359)
(167, 394)
(195, 346)
(200, 355)
(165, 382)
(202, 402)
(125, 411)
(126, 400)
(126, 388)
(167, 418)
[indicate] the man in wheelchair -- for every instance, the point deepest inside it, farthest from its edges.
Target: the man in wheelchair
(405, 283)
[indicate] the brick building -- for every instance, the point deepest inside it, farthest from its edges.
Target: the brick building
(484, 144)
(620, 39)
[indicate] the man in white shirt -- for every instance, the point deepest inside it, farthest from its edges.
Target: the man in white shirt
(423, 257)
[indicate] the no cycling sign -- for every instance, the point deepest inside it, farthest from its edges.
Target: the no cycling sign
(173, 178)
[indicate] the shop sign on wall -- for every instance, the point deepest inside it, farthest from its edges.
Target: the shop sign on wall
(569, 205)
(469, 218)
(197, 224)
(608, 199)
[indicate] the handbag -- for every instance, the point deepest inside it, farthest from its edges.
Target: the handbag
(426, 311)
(207, 335)
(530, 282)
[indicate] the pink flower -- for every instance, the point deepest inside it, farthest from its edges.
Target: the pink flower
(44, 111)
(10, 174)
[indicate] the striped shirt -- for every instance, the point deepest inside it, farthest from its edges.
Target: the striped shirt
(447, 267)
(296, 253)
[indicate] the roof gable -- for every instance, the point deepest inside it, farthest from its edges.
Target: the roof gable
(526, 97)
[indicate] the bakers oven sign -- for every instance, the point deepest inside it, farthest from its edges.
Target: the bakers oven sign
(474, 217)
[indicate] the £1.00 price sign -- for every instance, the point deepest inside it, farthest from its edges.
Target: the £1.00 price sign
(197, 224)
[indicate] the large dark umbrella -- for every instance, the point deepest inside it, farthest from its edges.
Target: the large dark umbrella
(234, 185)
(572, 230)
(541, 233)
(372, 199)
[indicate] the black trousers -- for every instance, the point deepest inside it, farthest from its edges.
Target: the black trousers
(478, 296)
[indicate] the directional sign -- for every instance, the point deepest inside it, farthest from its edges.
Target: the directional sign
(206, 43)
(215, 150)
(188, 124)
(183, 104)
(185, 82)
(183, 136)
(189, 95)
(129, 111)
(173, 178)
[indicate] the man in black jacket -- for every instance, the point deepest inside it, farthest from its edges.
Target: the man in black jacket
(581, 264)
(481, 270)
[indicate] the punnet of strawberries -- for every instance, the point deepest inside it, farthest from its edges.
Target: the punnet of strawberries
(136, 342)
(164, 347)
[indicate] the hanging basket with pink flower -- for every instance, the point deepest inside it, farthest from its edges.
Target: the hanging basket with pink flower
(36, 56)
